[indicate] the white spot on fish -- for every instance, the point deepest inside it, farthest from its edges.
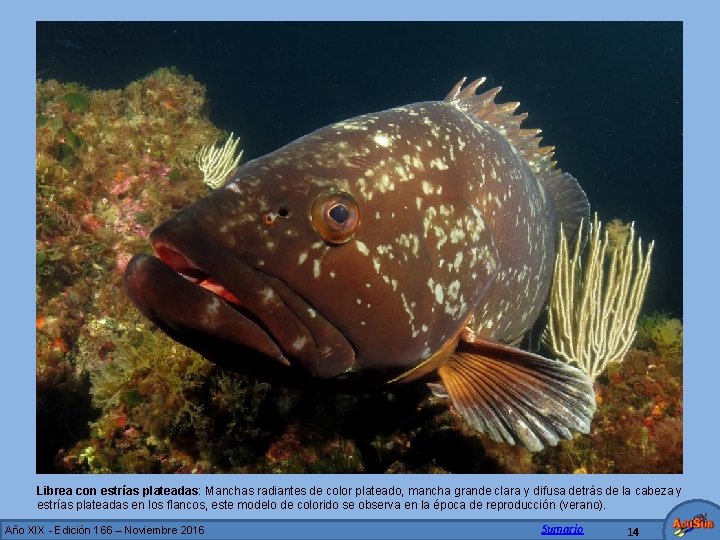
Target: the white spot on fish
(439, 164)
(267, 294)
(362, 248)
(439, 293)
(458, 260)
(381, 140)
(213, 307)
(442, 237)
(407, 308)
(299, 343)
(384, 184)
(453, 290)
(457, 235)
(352, 126)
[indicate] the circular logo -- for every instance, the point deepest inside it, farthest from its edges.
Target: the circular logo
(696, 519)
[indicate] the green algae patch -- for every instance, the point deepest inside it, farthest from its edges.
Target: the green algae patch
(661, 333)
(78, 102)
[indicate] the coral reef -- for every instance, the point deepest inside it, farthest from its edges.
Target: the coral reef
(116, 395)
(109, 165)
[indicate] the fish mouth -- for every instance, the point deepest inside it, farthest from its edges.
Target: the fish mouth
(209, 299)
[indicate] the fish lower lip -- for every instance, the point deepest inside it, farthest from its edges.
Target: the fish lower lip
(303, 337)
(187, 312)
(191, 272)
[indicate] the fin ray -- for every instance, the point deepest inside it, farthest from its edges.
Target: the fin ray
(481, 410)
(518, 417)
(525, 394)
(518, 397)
(484, 406)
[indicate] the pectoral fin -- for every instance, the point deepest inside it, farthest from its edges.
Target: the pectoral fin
(516, 396)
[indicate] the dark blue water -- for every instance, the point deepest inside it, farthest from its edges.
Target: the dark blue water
(607, 95)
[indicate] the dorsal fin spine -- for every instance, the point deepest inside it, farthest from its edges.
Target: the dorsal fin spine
(569, 200)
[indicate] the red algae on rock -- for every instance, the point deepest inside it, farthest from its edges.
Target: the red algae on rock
(638, 425)
(103, 165)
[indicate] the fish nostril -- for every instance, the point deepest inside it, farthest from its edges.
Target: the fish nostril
(271, 217)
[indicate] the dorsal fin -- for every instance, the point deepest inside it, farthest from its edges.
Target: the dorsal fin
(569, 200)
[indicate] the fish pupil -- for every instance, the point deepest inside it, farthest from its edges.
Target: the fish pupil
(339, 213)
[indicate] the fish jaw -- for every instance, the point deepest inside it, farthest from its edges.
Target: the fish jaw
(173, 303)
(209, 299)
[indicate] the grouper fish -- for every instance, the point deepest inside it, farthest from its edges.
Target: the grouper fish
(416, 242)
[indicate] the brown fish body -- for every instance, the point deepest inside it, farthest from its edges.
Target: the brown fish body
(373, 245)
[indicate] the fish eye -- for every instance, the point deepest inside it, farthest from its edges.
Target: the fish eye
(335, 217)
(339, 213)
